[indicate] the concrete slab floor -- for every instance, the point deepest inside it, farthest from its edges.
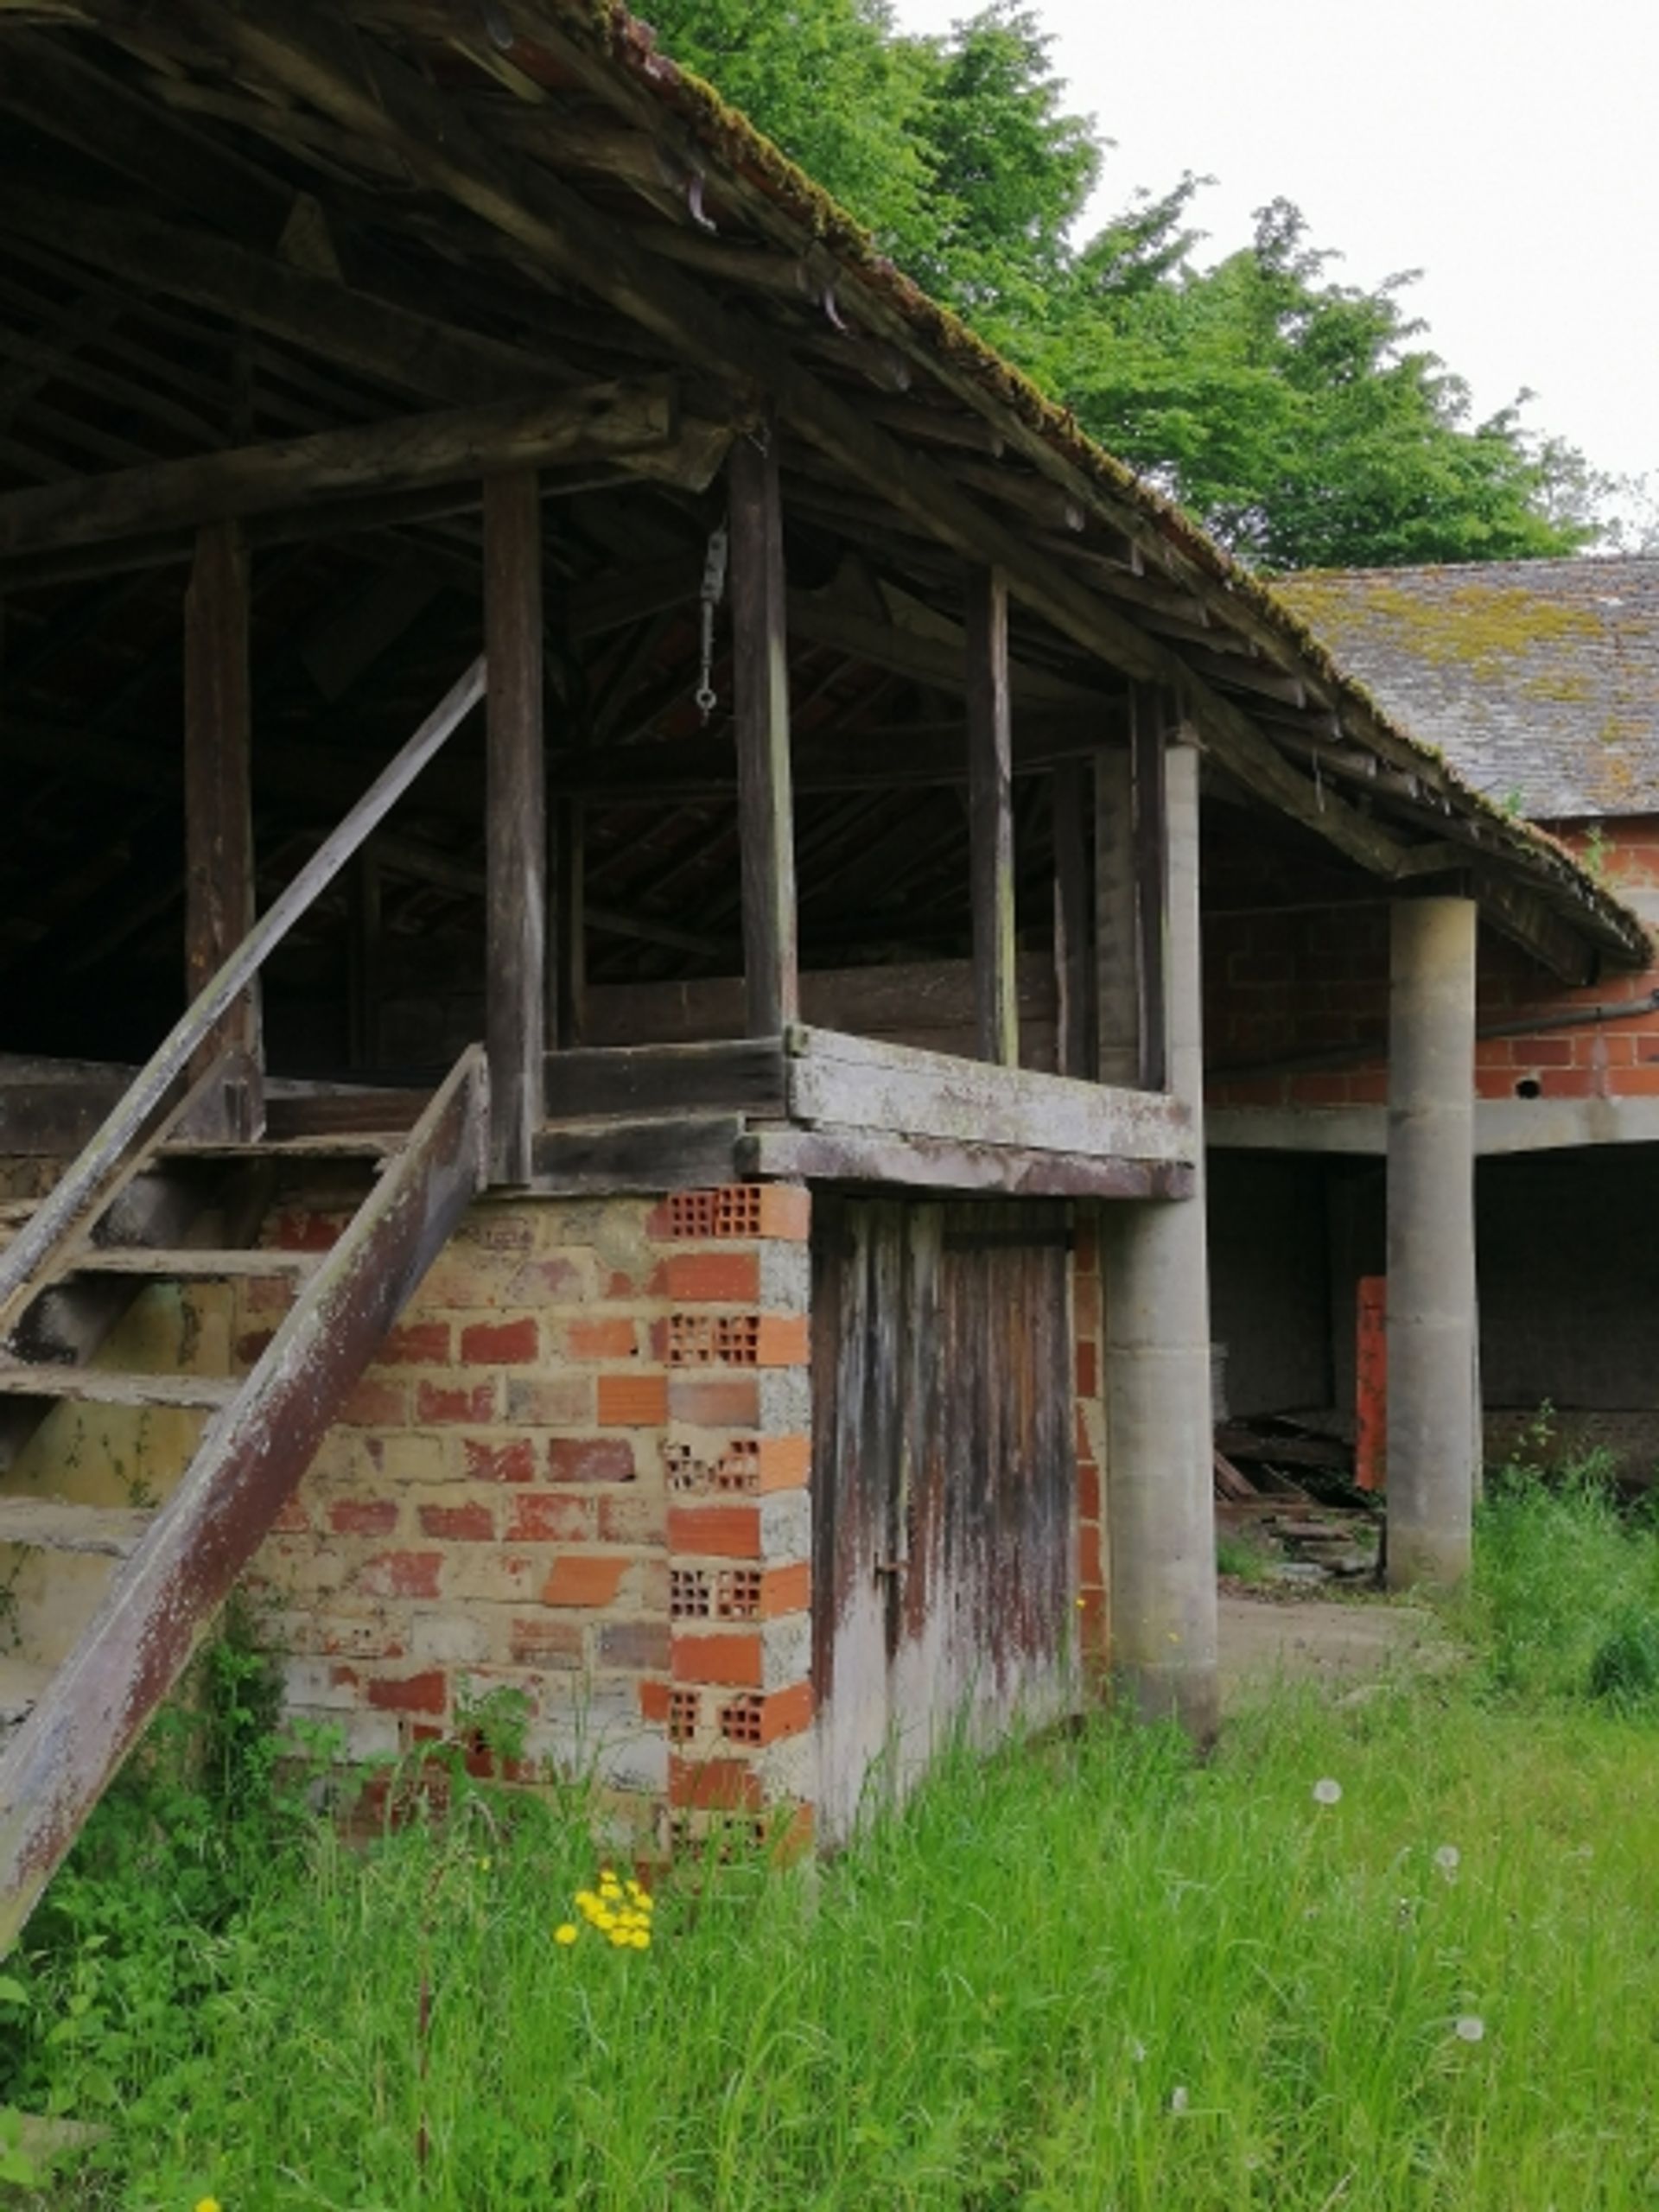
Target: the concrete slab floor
(1264, 1640)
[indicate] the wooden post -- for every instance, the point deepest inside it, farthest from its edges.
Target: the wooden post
(760, 686)
(1149, 771)
(990, 814)
(570, 940)
(1070, 798)
(1117, 991)
(516, 824)
(219, 813)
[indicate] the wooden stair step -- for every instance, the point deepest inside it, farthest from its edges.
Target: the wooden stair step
(185, 1265)
(348, 1144)
(55, 1524)
(103, 1387)
(21, 1684)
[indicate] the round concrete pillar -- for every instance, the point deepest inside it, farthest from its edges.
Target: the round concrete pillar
(1434, 1420)
(1160, 1474)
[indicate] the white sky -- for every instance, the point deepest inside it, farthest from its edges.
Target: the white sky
(1507, 149)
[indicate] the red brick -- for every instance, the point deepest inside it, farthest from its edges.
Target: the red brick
(403, 1574)
(731, 1276)
(654, 1701)
(363, 1516)
(614, 1337)
(632, 1400)
(1636, 1082)
(735, 1659)
(714, 1401)
(784, 1341)
(551, 1401)
(304, 1232)
(472, 1523)
(785, 1713)
(541, 1642)
(442, 1402)
(714, 1786)
(292, 1519)
(427, 1693)
(1088, 1490)
(499, 1343)
(424, 1344)
(587, 1578)
(374, 1404)
(715, 1531)
(590, 1459)
(540, 1518)
(1088, 1561)
(785, 1463)
(641, 1647)
(785, 1213)
(632, 1516)
(785, 1590)
(490, 1461)
(1088, 1371)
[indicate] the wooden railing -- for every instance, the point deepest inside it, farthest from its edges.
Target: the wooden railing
(144, 1107)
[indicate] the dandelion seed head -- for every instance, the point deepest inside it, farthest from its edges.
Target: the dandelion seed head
(1326, 1791)
(1178, 2099)
(1448, 1858)
(1469, 2027)
(1137, 2050)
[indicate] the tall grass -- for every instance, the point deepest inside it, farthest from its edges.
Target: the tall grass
(1090, 1972)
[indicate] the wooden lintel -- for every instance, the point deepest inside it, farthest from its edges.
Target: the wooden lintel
(760, 688)
(219, 814)
(664, 1152)
(990, 819)
(863, 1156)
(406, 452)
(516, 821)
(740, 1075)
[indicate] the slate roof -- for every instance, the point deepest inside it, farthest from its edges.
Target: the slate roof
(1538, 679)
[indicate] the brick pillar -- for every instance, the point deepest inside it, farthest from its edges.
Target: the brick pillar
(1094, 1628)
(735, 1275)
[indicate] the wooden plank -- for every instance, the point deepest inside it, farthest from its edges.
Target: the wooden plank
(990, 819)
(1150, 836)
(857, 1083)
(1117, 991)
(219, 815)
(99, 1386)
(52, 1524)
(516, 821)
(744, 1075)
(78, 1193)
(1071, 802)
(569, 1006)
(761, 690)
(407, 453)
(666, 1152)
(852, 1155)
(187, 1263)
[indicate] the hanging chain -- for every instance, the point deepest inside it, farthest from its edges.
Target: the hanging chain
(714, 590)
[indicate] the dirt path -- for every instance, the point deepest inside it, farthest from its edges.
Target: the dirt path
(1312, 1639)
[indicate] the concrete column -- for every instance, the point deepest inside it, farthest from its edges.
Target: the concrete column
(1159, 1477)
(1434, 1420)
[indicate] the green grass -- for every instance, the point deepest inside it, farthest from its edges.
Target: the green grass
(1091, 1972)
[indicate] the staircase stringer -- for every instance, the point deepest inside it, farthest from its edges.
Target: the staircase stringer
(162, 1601)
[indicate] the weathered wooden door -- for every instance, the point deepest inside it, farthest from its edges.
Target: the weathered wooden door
(943, 1478)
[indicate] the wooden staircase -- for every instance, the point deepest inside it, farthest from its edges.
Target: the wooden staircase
(163, 1193)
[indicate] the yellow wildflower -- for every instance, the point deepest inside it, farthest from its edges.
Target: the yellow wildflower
(565, 1932)
(640, 1939)
(207, 2204)
(619, 1936)
(585, 1900)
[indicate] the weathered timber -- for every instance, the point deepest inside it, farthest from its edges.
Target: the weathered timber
(590, 422)
(744, 1075)
(760, 689)
(856, 1082)
(567, 1007)
(936, 656)
(990, 820)
(160, 1604)
(100, 1386)
(1148, 766)
(1555, 943)
(187, 1263)
(859, 1156)
(666, 1152)
(1070, 801)
(52, 1119)
(218, 864)
(86, 1186)
(516, 823)
(1117, 991)
(52, 1524)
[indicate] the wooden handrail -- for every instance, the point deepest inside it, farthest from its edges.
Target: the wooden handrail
(136, 1112)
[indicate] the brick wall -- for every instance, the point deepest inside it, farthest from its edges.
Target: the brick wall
(1296, 966)
(577, 1471)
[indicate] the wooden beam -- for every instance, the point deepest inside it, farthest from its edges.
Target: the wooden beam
(1151, 835)
(990, 819)
(516, 821)
(745, 1076)
(870, 1156)
(1117, 996)
(408, 452)
(934, 657)
(1071, 802)
(219, 813)
(760, 688)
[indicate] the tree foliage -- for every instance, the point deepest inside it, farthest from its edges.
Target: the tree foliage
(1302, 420)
